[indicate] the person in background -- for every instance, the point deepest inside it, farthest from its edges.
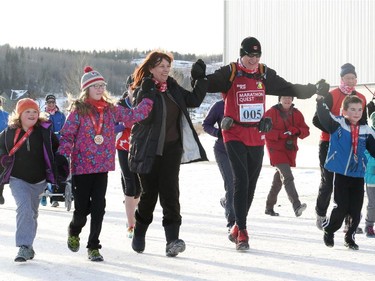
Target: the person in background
(370, 180)
(160, 143)
(349, 138)
(57, 118)
(212, 126)
(27, 149)
(129, 181)
(334, 102)
(88, 139)
(245, 85)
(288, 124)
(4, 116)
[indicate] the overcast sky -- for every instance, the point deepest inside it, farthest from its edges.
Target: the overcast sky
(186, 26)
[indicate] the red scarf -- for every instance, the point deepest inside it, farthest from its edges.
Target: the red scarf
(161, 86)
(98, 104)
(52, 111)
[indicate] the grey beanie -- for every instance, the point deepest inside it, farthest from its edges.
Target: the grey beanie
(90, 78)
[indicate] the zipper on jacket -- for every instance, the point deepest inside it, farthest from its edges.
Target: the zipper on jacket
(331, 157)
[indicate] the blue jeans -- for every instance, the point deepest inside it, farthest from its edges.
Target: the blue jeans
(223, 163)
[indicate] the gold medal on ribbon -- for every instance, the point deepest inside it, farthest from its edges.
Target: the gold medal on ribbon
(98, 139)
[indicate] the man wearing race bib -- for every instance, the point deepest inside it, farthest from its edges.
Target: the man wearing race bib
(244, 85)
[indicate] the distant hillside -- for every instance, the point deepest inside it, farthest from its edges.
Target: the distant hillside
(45, 70)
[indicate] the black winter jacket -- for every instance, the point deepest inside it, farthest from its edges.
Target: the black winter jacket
(50, 145)
(145, 135)
(275, 85)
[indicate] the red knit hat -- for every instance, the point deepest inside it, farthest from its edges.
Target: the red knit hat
(24, 104)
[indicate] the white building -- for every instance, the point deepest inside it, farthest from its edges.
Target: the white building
(305, 40)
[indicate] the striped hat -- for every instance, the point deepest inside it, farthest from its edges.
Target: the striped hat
(91, 77)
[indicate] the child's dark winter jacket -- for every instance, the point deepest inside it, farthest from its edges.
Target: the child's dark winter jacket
(34, 161)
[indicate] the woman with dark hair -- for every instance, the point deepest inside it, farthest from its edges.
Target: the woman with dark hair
(161, 142)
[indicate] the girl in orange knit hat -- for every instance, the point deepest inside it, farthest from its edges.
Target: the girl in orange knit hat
(27, 150)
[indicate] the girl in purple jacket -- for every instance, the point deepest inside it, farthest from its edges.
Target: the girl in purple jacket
(88, 138)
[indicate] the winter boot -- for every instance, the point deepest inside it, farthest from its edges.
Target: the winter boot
(328, 239)
(175, 247)
(271, 212)
(139, 237)
(233, 234)
(350, 243)
(298, 211)
(242, 243)
(174, 244)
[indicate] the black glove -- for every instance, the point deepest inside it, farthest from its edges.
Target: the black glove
(148, 90)
(198, 70)
(265, 125)
(322, 88)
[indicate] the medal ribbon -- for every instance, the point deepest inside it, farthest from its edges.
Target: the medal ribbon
(18, 144)
(354, 129)
(97, 127)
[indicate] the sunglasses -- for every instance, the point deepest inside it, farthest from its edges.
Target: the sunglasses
(251, 55)
(51, 101)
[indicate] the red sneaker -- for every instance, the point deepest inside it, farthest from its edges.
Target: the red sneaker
(233, 233)
(242, 243)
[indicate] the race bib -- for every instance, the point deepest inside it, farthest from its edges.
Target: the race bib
(251, 112)
(250, 105)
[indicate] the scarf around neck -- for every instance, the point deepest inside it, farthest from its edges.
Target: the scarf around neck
(347, 90)
(161, 86)
(52, 111)
(98, 104)
(244, 69)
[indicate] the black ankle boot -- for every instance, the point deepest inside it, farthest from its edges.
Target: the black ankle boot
(139, 238)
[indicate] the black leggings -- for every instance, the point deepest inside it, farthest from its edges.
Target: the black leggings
(89, 198)
(246, 163)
